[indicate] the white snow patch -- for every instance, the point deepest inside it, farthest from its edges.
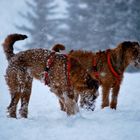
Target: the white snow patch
(47, 121)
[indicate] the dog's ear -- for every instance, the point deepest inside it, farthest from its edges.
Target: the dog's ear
(58, 47)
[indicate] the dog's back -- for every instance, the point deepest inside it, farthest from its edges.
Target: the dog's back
(12, 38)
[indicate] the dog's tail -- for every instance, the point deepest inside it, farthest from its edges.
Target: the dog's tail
(58, 47)
(9, 42)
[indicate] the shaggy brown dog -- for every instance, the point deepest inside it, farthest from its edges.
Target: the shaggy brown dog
(108, 67)
(87, 99)
(63, 76)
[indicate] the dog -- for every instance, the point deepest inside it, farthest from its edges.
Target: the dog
(61, 73)
(87, 99)
(108, 67)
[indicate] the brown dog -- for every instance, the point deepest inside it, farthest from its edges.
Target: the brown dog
(62, 74)
(87, 99)
(108, 67)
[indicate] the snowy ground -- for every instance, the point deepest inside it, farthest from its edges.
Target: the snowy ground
(46, 121)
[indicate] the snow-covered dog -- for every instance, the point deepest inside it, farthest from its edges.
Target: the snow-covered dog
(62, 74)
(108, 67)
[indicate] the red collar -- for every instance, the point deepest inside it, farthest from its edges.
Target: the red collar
(118, 76)
(96, 71)
(50, 63)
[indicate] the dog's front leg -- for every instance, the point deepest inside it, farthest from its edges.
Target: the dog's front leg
(115, 92)
(62, 105)
(105, 96)
(71, 105)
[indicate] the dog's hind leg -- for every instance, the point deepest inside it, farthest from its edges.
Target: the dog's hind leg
(13, 104)
(115, 92)
(11, 78)
(25, 97)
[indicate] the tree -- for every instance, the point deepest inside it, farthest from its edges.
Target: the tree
(43, 26)
(87, 24)
(134, 19)
(98, 24)
(77, 31)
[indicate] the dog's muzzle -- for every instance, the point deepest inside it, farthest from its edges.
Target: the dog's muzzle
(136, 62)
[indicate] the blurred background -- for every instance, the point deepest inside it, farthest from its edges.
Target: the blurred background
(78, 24)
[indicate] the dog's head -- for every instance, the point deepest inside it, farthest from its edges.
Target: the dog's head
(132, 49)
(88, 98)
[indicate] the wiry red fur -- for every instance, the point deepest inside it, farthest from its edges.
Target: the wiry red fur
(124, 54)
(29, 64)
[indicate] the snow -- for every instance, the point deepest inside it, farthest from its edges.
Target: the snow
(46, 121)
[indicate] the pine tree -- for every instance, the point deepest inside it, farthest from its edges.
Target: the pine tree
(135, 19)
(90, 25)
(77, 32)
(101, 24)
(43, 26)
